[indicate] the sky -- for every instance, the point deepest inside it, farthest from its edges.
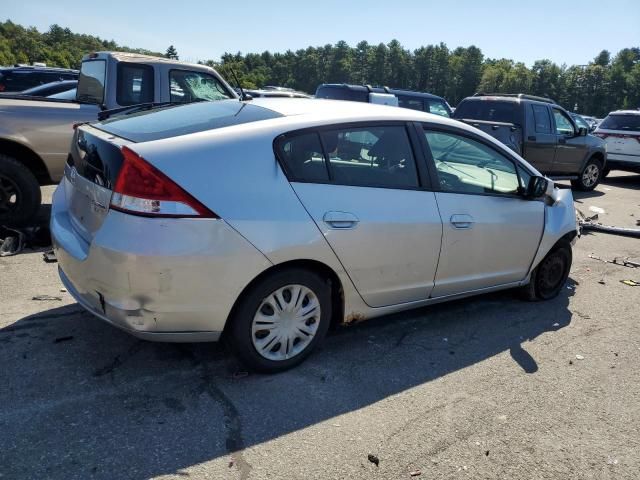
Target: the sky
(571, 32)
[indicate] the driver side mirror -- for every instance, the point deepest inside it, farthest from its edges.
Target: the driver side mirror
(582, 132)
(536, 188)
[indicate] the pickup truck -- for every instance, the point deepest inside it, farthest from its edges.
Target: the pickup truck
(540, 131)
(35, 133)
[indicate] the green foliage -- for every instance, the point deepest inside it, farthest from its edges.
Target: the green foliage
(608, 83)
(58, 47)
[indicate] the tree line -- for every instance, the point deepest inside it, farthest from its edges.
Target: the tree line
(607, 83)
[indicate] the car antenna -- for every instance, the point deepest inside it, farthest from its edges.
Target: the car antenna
(235, 77)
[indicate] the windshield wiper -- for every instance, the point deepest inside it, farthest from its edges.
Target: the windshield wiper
(103, 115)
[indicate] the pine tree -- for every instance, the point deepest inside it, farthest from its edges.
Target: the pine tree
(172, 53)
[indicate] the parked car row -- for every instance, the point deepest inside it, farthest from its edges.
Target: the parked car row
(19, 78)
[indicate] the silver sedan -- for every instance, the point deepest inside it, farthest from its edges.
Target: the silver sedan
(269, 220)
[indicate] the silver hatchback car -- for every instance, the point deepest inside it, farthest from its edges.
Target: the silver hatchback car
(266, 221)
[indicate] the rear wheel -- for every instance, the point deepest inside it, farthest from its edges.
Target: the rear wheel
(19, 192)
(281, 320)
(589, 177)
(551, 274)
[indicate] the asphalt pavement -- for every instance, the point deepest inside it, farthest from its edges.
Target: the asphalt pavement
(483, 388)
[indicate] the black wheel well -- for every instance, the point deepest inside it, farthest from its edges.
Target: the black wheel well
(568, 237)
(598, 156)
(326, 272)
(28, 158)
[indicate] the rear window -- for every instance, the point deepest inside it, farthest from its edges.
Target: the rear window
(630, 123)
(412, 103)
(173, 121)
(135, 84)
(91, 82)
(337, 93)
(489, 111)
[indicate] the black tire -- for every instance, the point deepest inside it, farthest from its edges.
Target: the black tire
(20, 195)
(550, 276)
(240, 334)
(589, 177)
(606, 172)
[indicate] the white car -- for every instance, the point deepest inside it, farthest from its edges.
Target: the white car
(621, 132)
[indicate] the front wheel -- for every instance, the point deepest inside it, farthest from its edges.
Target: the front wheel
(589, 177)
(281, 320)
(551, 274)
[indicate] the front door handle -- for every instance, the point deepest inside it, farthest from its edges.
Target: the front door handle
(562, 140)
(532, 138)
(462, 221)
(340, 220)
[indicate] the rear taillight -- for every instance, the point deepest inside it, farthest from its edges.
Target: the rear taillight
(1, 87)
(142, 189)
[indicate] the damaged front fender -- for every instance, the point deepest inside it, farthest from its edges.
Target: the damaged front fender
(559, 220)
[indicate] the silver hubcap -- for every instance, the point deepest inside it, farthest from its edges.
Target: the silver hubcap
(286, 322)
(590, 175)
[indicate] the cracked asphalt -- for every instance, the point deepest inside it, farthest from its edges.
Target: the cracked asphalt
(487, 387)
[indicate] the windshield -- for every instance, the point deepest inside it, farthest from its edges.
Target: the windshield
(91, 82)
(580, 121)
(487, 110)
(438, 107)
(190, 86)
(629, 122)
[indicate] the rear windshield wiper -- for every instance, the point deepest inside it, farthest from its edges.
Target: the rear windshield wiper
(104, 114)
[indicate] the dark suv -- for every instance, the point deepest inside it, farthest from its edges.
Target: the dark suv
(17, 79)
(542, 132)
(425, 102)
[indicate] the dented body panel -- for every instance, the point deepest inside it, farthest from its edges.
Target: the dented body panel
(179, 279)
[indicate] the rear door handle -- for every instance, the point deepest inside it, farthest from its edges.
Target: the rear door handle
(462, 221)
(532, 138)
(340, 220)
(562, 141)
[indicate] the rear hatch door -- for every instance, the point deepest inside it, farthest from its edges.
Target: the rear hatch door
(90, 174)
(622, 134)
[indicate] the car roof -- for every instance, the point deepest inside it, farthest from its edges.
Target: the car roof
(31, 68)
(141, 58)
(365, 88)
(625, 112)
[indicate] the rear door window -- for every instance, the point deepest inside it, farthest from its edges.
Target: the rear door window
(188, 86)
(541, 117)
(303, 158)
(412, 103)
(379, 156)
(135, 84)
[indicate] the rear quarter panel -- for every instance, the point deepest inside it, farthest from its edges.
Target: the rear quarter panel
(234, 172)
